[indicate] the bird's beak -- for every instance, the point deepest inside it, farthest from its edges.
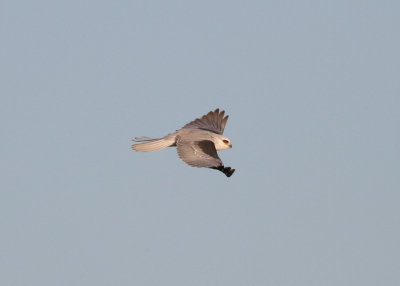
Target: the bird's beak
(230, 145)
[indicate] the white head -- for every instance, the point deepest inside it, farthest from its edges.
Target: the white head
(222, 143)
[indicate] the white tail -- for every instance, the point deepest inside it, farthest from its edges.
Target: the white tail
(144, 138)
(152, 144)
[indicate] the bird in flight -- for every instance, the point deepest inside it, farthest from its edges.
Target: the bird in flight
(197, 142)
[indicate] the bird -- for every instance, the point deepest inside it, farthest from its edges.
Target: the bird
(197, 142)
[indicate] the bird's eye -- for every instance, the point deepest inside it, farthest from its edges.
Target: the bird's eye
(226, 141)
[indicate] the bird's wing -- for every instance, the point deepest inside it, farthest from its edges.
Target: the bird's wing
(198, 153)
(213, 121)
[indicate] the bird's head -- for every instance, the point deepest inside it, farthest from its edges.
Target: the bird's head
(222, 143)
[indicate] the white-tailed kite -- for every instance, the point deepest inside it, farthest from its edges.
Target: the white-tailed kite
(197, 142)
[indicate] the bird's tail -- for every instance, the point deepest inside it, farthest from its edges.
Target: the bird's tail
(150, 144)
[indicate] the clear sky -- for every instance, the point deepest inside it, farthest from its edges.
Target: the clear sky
(313, 93)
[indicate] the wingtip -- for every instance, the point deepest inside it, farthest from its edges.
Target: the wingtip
(218, 111)
(229, 171)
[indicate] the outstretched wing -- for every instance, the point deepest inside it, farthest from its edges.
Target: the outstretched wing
(213, 121)
(198, 153)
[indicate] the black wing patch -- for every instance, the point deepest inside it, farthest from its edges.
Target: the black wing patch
(202, 154)
(198, 153)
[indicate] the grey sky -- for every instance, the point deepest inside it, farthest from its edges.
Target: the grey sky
(313, 93)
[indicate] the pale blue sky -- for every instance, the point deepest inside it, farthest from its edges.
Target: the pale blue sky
(313, 93)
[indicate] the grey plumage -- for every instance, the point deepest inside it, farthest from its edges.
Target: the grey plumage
(198, 153)
(213, 121)
(197, 142)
